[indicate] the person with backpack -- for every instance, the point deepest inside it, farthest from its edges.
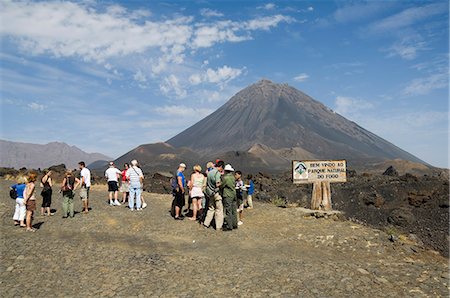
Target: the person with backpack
(215, 205)
(20, 210)
(179, 192)
(68, 186)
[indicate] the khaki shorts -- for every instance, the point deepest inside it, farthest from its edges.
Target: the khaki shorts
(84, 193)
(125, 186)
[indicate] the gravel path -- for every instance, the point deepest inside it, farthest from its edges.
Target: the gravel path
(276, 253)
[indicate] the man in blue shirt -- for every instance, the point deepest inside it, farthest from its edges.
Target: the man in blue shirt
(180, 191)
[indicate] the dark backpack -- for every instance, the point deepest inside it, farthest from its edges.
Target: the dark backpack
(13, 193)
(174, 183)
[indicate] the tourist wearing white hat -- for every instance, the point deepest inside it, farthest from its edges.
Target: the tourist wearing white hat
(136, 178)
(228, 189)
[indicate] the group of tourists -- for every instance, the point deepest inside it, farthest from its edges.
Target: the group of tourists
(219, 193)
(131, 185)
(25, 188)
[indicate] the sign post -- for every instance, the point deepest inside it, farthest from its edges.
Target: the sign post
(321, 173)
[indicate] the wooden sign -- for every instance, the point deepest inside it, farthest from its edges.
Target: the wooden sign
(310, 171)
(321, 173)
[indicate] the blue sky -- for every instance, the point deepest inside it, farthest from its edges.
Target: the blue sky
(107, 76)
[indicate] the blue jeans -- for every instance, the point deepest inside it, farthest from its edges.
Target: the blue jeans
(135, 192)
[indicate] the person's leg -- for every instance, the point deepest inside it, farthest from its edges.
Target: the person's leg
(110, 195)
(65, 205)
(83, 196)
(17, 212)
(227, 224)
(138, 198)
(124, 197)
(87, 199)
(210, 213)
(179, 203)
(70, 206)
(250, 201)
(194, 209)
(131, 198)
(28, 220)
(234, 216)
(218, 214)
(42, 210)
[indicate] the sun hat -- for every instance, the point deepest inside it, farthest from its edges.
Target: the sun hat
(229, 168)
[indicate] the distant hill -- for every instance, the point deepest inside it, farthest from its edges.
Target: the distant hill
(18, 155)
(264, 127)
(159, 156)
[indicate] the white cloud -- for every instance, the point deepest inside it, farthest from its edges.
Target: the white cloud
(209, 13)
(301, 77)
(408, 17)
(358, 11)
(349, 106)
(310, 8)
(195, 79)
(425, 85)
(268, 6)
(140, 77)
(171, 86)
(408, 47)
(36, 107)
(219, 76)
(70, 29)
(183, 111)
(73, 30)
(265, 23)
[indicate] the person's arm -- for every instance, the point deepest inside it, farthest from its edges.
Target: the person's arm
(180, 183)
(204, 183)
(218, 179)
(25, 194)
(63, 182)
(192, 181)
(77, 182)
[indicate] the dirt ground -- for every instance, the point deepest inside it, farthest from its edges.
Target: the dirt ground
(276, 253)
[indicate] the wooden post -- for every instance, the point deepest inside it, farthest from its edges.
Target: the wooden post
(326, 196)
(321, 196)
(316, 199)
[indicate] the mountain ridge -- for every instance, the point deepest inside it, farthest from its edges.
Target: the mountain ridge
(279, 117)
(29, 155)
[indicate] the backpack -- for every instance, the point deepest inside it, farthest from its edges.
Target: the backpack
(13, 193)
(69, 184)
(174, 183)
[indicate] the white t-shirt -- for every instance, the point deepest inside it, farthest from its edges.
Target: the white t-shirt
(85, 175)
(112, 173)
